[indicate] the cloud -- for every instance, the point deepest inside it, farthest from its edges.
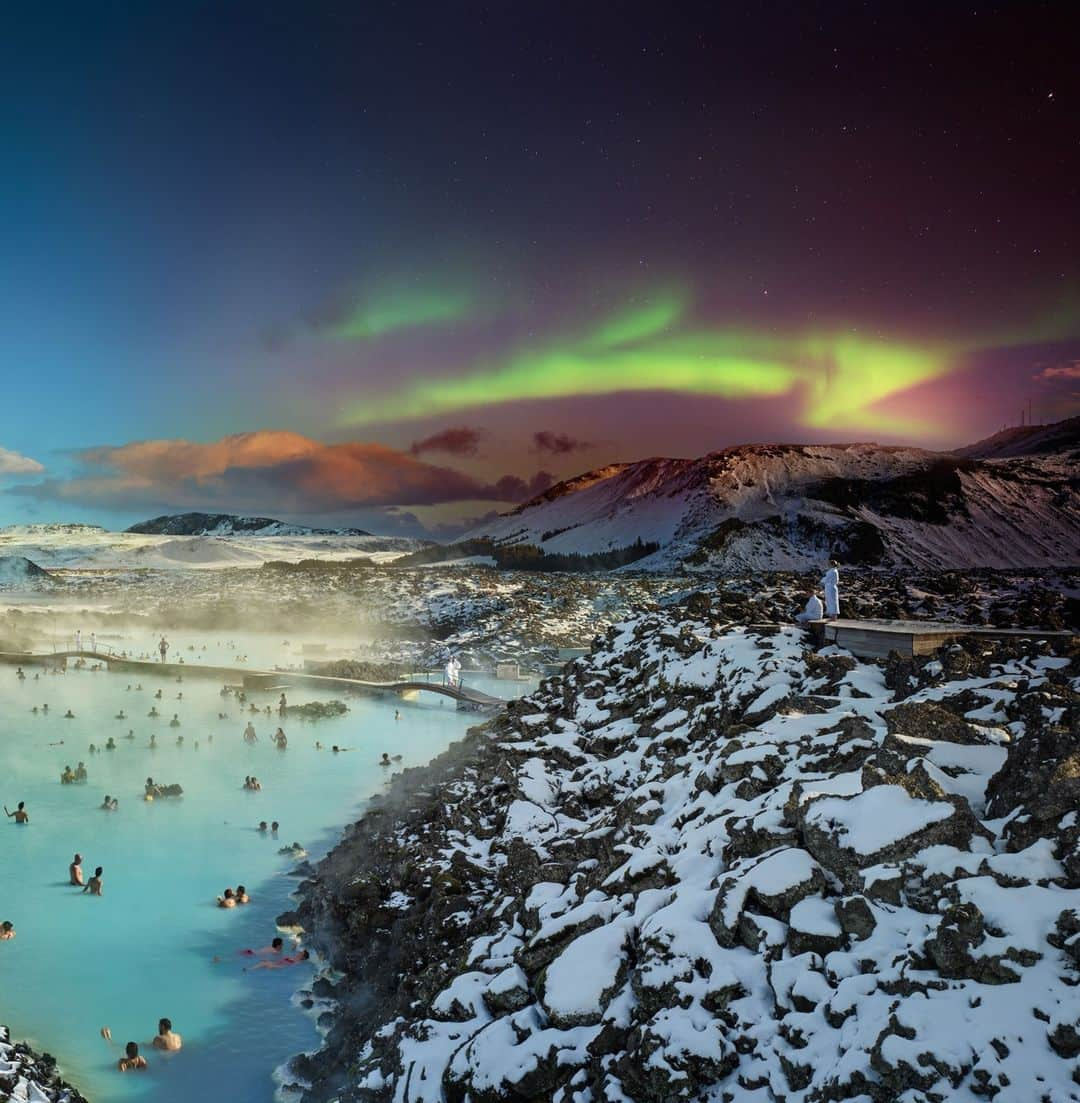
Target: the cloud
(12, 463)
(459, 441)
(559, 444)
(269, 471)
(1059, 371)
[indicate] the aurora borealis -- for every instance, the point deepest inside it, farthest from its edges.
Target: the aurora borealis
(332, 260)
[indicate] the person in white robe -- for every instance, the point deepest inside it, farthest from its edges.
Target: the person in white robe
(831, 583)
(814, 610)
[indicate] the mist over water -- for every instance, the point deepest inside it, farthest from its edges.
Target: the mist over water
(146, 948)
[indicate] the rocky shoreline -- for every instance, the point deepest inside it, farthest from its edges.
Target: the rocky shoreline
(706, 858)
(31, 1077)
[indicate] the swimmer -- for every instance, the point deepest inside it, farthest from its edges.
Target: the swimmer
(276, 946)
(318, 745)
(75, 871)
(180, 695)
(153, 743)
(95, 885)
(227, 899)
(69, 715)
(282, 705)
(157, 696)
(7, 931)
(274, 828)
(132, 1059)
(107, 803)
(280, 741)
(45, 707)
(249, 733)
(130, 734)
(283, 963)
(397, 714)
(179, 740)
(241, 895)
(175, 721)
(34, 710)
(153, 714)
(20, 815)
(167, 1038)
(385, 760)
(120, 715)
(19, 672)
(80, 772)
(68, 776)
(262, 827)
(111, 744)
(91, 749)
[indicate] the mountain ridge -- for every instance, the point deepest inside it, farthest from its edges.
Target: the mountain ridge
(1008, 501)
(230, 524)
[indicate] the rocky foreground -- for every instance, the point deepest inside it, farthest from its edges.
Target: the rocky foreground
(26, 1077)
(707, 862)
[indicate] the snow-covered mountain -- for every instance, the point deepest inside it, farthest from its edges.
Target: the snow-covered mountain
(230, 524)
(1010, 501)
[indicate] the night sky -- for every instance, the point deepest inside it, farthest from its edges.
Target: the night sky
(398, 265)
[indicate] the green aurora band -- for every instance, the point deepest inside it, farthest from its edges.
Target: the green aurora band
(388, 313)
(842, 377)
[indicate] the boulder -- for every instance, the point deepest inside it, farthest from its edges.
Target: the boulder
(881, 824)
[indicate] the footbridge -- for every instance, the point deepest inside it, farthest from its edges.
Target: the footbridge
(465, 697)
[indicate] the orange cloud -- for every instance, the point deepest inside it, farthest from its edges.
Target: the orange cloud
(270, 471)
(1059, 371)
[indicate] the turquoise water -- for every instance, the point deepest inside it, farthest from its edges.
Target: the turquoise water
(146, 948)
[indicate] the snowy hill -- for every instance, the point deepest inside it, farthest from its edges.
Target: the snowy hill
(17, 569)
(89, 547)
(1027, 440)
(790, 507)
(229, 524)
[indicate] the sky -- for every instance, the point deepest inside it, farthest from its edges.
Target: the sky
(399, 265)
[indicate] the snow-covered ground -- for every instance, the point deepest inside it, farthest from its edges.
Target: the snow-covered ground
(708, 862)
(90, 547)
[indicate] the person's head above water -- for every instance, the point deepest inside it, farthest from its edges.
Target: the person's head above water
(277, 943)
(132, 1049)
(164, 1026)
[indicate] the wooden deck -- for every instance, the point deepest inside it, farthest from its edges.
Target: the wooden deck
(466, 697)
(874, 639)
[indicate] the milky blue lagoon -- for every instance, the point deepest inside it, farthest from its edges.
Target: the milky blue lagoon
(146, 948)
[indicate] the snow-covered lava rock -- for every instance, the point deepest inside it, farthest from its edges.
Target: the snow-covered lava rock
(709, 863)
